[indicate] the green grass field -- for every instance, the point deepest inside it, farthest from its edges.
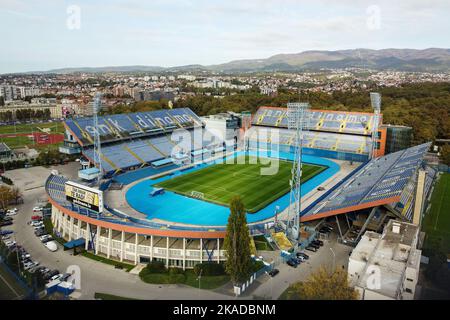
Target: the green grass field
(9, 288)
(437, 222)
(22, 130)
(220, 182)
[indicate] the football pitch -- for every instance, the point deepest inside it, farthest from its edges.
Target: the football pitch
(220, 182)
(437, 221)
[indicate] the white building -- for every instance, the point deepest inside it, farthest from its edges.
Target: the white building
(224, 125)
(386, 266)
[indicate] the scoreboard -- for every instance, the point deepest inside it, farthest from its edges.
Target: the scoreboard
(84, 196)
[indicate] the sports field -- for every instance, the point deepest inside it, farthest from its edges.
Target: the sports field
(437, 221)
(220, 182)
(21, 135)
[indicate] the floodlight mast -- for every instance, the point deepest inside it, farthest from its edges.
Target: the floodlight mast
(97, 143)
(298, 114)
(375, 99)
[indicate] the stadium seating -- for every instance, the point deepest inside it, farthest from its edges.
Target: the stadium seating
(321, 120)
(139, 152)
(381, 179)
(357, 144)
(123, 126)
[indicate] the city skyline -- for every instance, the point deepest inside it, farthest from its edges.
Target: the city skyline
(58, 34)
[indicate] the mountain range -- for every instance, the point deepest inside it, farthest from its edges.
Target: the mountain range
(431, 59)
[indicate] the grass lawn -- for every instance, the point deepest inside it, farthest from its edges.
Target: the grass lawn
(436, 223)
(56, 127)
(188, 277)
(262, 244)
(9, 288)
(220, 182)
(92, 256)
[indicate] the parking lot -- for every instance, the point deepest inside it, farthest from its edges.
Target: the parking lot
(331, 255)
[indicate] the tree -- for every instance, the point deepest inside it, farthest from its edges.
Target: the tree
(6, 197)
(237, 243)
(445, 154)
(323, 285)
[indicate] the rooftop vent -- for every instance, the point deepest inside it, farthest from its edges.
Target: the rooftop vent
(396, 228)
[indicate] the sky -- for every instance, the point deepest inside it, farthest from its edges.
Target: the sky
(39, 35)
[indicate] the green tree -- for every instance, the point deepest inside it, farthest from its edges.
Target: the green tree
(445, 154)
(323, 285)
(237, 243)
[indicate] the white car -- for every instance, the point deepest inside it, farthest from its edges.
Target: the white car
(10, 213)
(55, 277)
(38, 226)
(51, 245)
(36, 223)
(37, 209)
(44, 237)
(28, 265)
(10, 243)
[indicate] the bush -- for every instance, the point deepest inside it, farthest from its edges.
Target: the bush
(256, 265)
(156, 267)
(209, 269)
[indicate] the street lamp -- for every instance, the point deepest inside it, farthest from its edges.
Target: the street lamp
(199, 278)
(334, 259)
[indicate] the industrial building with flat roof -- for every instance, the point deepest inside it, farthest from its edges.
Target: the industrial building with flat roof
(386, 266)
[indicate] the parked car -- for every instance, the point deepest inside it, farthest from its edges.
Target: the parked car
(28, 265)
(273, 272)
(40, 232)
(324, 230)
(45, 238)
(302, 254)
(38, 227)
(36, 218)
(36, 223)
(312, 244)
(65, 277)
(10, 243)
(292, 263)
(313, 249)
(56, 277)
(51, 245)
(5, 232)
(50, 274)
(6, 223)
(318, 242)
(25, 255)
(37, 209)
(10, 213)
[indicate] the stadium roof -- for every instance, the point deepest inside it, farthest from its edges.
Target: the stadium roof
(324, 120)
(380, 181)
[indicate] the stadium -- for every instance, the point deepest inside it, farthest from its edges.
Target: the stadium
(167, 177)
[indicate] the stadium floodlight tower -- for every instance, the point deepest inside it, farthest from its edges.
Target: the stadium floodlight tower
(97, 143)
(298, 120)
(375, 99)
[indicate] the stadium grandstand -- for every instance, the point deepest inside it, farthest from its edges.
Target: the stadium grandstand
(142, 222)
(387, 180)
(134, 140)
(331, 134)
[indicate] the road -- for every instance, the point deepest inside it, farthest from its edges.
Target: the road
(99, 277)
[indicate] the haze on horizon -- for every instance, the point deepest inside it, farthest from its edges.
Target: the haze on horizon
(47, 34)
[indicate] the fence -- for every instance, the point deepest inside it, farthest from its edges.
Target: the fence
(239, 289)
